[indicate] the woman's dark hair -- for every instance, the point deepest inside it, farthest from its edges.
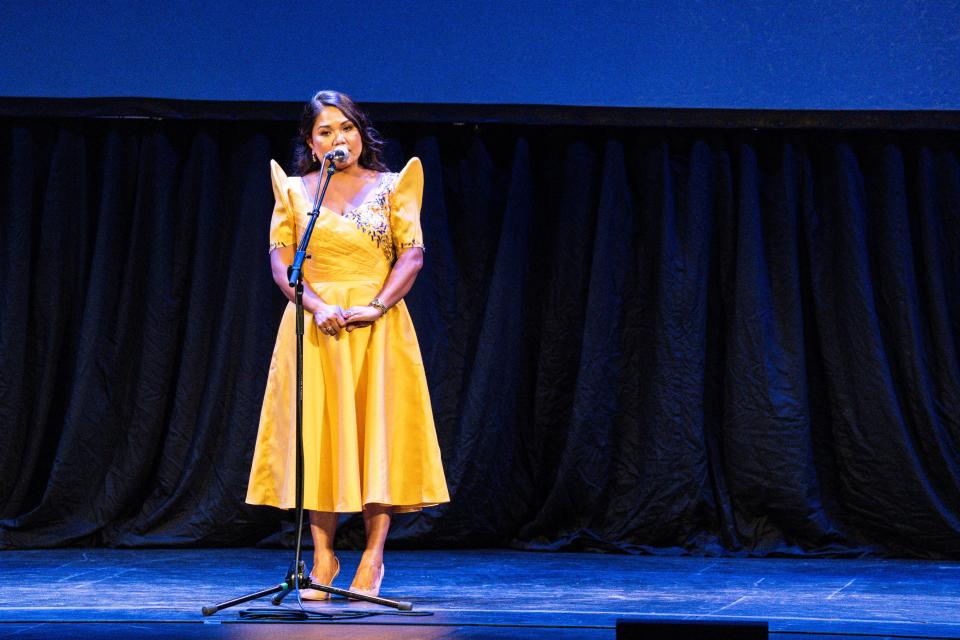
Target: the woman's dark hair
(372, 144)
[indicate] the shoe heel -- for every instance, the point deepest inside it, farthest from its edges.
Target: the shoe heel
(373, 591)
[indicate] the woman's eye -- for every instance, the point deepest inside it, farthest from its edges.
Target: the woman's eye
(349, 127)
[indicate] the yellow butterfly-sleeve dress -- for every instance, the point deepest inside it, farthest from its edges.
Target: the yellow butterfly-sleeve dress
(368, 430)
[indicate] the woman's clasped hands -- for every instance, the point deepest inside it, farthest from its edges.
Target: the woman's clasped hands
(331, 318)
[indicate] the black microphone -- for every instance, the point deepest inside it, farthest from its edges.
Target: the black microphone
(337, 155)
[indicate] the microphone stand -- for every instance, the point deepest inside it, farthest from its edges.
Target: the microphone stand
(296, 577)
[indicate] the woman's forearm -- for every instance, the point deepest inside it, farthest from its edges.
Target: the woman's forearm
(401, 277)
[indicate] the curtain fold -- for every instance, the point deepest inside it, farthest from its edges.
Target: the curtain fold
(661, 341)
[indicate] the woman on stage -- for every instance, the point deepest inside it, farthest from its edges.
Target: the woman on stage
(370, 443)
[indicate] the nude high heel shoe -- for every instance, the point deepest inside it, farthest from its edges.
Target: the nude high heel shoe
(373, 590)
(317, 594)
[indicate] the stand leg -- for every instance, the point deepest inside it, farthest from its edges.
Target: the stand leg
(209, 611)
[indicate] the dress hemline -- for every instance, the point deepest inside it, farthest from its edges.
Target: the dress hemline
(397, 508)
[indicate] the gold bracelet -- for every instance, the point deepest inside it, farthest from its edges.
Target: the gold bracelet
(377, 303)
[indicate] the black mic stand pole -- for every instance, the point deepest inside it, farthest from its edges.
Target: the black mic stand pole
(296, 577)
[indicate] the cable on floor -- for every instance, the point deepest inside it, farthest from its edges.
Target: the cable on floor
(286, 614)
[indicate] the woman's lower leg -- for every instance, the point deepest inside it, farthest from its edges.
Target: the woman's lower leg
(376, 520)
(323, 528)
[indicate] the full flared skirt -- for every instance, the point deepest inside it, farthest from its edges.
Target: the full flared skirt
(368, 430)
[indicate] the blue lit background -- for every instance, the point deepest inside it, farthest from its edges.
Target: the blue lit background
(738, 54)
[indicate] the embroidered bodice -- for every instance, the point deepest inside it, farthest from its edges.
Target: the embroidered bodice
(373, 215)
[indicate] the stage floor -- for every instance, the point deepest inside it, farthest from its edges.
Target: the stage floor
(107, 593)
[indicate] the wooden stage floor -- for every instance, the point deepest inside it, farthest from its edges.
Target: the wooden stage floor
(108, 593)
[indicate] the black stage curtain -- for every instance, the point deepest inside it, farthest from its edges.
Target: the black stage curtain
(667, 341)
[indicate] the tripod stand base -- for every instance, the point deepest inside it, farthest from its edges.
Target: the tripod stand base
(283, 589)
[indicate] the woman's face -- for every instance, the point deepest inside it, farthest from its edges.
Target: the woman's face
(331, 130)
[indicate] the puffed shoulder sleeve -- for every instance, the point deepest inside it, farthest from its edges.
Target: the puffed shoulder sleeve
(283, 231)
(405, 208)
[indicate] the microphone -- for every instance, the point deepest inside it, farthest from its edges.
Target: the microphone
(337, 155)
